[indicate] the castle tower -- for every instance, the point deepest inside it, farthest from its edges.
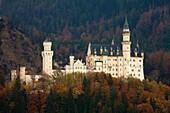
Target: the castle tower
(126, 48)
(126, 43)
(47, 55)
(22, 73)
(71, 63)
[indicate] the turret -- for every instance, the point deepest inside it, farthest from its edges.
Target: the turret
(113, 42)
(47, 55)
(142, 54)
(101, 50)
(118, 51)
(71, 62)
(22, 71)
(89, 50)
(13, 74)
(47, 45)
(136, 52)
(111, 51)
(95, 52)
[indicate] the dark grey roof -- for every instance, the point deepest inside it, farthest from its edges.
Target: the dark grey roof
(47, 40)
(106, 49)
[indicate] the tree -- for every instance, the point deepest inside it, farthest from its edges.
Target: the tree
(2, 78)
(125, 104)
(153, 104)
(110, 80)
(18, 97)
(50, 103)
(70, 102)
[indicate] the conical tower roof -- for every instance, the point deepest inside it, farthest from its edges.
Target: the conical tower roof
(126, 25)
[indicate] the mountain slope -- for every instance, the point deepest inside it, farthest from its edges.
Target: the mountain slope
(16, 49)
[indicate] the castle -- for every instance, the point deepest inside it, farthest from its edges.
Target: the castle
(107, 58)
(110, 59)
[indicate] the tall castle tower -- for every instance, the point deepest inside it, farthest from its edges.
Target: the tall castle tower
(126, 48)
(126, 43)
(47, 55)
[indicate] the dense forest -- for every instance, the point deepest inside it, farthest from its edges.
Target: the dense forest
(72, 24)
(90, 93)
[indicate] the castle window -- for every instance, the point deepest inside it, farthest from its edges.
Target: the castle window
(134, 60)
(138, 74)
(132, 70)
(138, 70)
(139, 60)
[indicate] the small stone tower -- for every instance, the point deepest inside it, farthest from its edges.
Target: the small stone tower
(71, 63)
(47, 55)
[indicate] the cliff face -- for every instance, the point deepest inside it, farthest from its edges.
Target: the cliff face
(16, 49)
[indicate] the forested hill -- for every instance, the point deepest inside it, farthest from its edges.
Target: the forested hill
(71, 24)
(16, 49)
(91, 20)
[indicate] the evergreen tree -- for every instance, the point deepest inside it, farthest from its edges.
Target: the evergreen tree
(4, 106)
(125, 104)
(50, 103)
(18, 97)
(2, 78)
(161, 68)
(110, 80)
(70, 102)
(97, 77)
(152, 102)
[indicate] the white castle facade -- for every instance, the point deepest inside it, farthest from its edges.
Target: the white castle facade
(107, 58)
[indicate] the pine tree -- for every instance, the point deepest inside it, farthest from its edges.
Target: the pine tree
(2, 79)
(50, 103)
(125, 104)
(152, 102)
(18, 97)
(70, 102)
(110, 80)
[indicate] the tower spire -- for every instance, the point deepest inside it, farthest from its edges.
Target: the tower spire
(126, 25)
(137, 45)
